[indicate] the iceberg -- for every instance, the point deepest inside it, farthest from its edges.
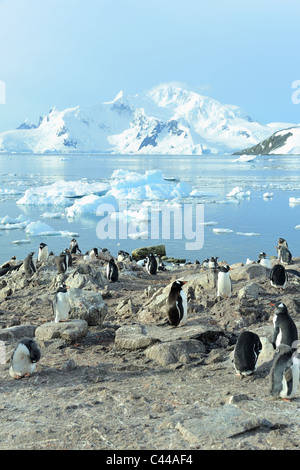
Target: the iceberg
(91, 205)
(8, 223)
(61, 193)
(38, 228)
(248, 234)
(238, 192)
(294, 201)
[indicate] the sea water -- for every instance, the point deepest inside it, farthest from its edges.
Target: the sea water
(246, 203)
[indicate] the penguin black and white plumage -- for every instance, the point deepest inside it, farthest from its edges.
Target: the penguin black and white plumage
(177, 304)
(74, 247)
(285, 330)
(123, 255)
(284, 255)
(151, 264)
(263, 260)
(213, 262)
(29, 266)
(281, 243)
(61, 304)
(69, 259)
(246, 352)
(24, 358)
(278, 276)
(112, 272)
(43, 252)
(284, 373)
(93, 253)
(224, 281)
(61, 263)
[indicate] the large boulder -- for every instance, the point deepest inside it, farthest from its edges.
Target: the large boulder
(88, 306)
(141, 253)
(175, 351)
(70, 330)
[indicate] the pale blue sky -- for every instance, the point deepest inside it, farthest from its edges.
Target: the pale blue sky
(74, 52)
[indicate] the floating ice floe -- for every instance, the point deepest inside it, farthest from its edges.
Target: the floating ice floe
(222, 230)
(198, 193)
(21, 242)
(8, 223)
(61, 193)
(248, 234)
(245, 158)
(209, 223)
(294, 201)
(92, 204)
(238, 192)
(297, 227)
(268, 195)
(53, 215)
(40, 229)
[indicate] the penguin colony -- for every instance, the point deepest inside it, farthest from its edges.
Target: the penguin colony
(284, 373)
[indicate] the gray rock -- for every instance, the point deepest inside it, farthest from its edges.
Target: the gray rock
(175, 351)
(249, 290)
(15, 333)
(222, 423)
(250, 271)
(88, 306)
(134, 337)
(69, 331)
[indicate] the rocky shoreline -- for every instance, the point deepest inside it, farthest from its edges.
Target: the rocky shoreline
(117, 377)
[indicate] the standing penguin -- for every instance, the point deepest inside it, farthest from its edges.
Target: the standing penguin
(285, 330)
(246, 352)
(29, 266)
(74, 247)
(151, 264)
(278, 276)
(61, 305)
(24, 358)
(112, 272)
(224, 282)
(281, 243)
(213, 262)
(263, 260)
(43, 252)
(61, 263)
(93, 254)
(69, 259)
(177, 304)
(284, 373)
(284, 255)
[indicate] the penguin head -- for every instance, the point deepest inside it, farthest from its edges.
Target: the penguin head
(111, 261)
(225, 269)
(62, 288)
(31, 254)
(281, 309)
(280, 241)
(177, 285)
(262, 255)
(42, 245)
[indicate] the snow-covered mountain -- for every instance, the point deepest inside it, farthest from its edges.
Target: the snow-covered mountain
(283, 142)
(164, 120)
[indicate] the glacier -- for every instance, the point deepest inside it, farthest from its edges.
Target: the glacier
(166, 120)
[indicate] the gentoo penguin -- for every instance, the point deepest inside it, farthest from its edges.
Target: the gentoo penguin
(61, 305)
(61, 263)
(74, 247)
(284, 255)
(224, 281)
(24, 358)
(43, 252)
(69, 259)
(151, 264)
(263, 260)
(177, 304)
(213, 262)
(205, 263)
(281, 243)
(278, 276)
(284, 373)
(93, 254)
(285, 330)
(246, 352)
(122, 255)
(112, 271)
(29, 266)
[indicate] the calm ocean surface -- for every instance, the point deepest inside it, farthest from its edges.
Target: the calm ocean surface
(213, 177)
